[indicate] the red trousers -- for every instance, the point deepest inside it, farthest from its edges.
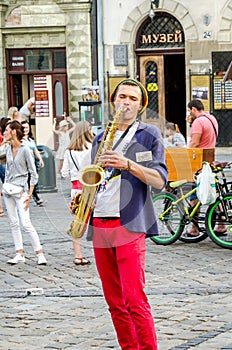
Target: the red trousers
(121, 269)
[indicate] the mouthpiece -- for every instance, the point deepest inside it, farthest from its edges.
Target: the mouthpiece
(121, 109)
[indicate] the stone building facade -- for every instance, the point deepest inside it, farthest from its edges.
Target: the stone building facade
(180, 53)
(185, 49)
(50, 40)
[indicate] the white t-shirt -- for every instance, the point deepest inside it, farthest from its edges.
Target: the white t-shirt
(24, 109)
(108, 197)
(81, 158)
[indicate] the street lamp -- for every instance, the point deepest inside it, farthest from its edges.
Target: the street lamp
(154, 4)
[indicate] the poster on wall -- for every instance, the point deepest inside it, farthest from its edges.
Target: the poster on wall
(200, 89)
(41, 96)
(222, 92)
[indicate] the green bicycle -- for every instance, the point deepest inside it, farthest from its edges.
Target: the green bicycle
(175, 212)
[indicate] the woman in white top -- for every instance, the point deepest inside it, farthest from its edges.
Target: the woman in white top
(77, 157)
(19, 162)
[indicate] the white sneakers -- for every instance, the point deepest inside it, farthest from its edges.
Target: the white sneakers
(41, 259)
(17, 259)
(21, 259)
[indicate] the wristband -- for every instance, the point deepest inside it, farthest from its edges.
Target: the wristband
(128, 166)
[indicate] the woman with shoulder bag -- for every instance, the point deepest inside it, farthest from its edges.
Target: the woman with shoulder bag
(19, 162)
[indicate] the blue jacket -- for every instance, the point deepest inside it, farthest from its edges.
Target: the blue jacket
(136, 207)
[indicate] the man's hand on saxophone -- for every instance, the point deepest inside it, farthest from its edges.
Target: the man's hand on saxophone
(113, 159)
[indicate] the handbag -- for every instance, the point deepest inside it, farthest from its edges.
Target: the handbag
(206, 186)
(12, 190)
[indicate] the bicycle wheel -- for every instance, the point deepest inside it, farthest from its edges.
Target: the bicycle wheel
(198, 224)
(220, 212)
(169, 225)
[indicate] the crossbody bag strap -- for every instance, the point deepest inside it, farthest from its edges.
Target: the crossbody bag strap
(73, 160)
(211, 123)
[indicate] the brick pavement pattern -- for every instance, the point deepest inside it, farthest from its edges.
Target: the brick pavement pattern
(60, 306)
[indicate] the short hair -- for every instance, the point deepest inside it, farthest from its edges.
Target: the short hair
(16, 125)
(197, 104)
(3, 123)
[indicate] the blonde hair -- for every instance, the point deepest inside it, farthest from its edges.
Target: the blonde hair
(82, 135)
(11, 112)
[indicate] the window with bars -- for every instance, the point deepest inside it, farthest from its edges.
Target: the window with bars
(152, 89)
(163, 31)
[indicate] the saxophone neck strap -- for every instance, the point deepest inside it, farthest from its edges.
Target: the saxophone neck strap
(122, 136)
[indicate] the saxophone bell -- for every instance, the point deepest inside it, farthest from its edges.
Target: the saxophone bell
(92, 176)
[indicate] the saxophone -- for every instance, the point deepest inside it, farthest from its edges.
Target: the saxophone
(91, 177)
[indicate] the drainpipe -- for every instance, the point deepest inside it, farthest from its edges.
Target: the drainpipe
(100, 54)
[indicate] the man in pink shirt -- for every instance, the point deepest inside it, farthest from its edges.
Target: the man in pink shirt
(204, 128)
(203, 134)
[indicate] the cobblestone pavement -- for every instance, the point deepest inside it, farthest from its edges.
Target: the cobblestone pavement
(188, 285)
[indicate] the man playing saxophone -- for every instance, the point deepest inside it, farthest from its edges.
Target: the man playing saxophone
(124, 216)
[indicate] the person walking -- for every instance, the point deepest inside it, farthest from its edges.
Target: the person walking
(28, 140)
(19, 162)
(123, 216)
(64, 139)
(76, 157)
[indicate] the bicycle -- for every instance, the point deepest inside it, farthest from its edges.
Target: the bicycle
(175, 211)
(225, 186)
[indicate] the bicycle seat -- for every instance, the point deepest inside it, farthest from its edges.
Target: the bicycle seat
(176, 184)
(221, 164)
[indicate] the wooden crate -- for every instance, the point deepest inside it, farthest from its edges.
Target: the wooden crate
(183, 162)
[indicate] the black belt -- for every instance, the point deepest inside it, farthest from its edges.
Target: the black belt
(107, 218)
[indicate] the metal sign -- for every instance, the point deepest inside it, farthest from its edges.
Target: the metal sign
(120, 55)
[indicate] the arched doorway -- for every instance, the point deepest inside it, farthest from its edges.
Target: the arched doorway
(161, 67)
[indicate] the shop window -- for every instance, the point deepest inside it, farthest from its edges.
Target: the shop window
(38, 60)
(59, 60)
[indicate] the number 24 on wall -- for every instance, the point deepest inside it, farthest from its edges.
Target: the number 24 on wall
(207, 35)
